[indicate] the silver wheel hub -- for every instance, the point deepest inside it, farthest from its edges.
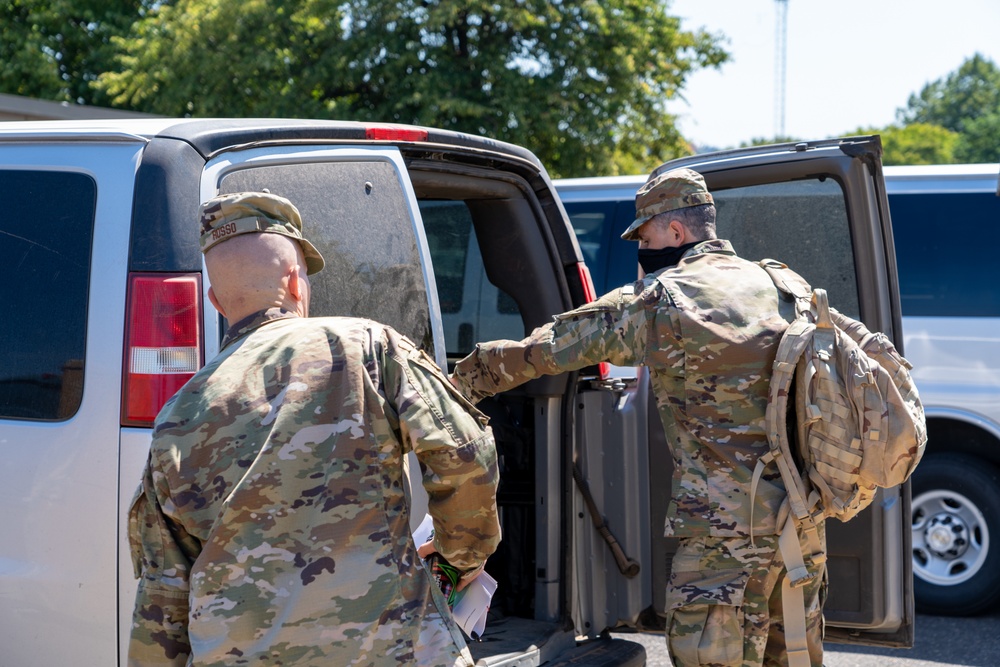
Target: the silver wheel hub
(951, 539)
(947, 535)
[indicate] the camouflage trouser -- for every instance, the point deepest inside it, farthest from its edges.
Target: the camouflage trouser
(724, 604)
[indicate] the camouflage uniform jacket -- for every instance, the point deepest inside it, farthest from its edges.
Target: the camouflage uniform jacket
(707, 330)
(271, 526)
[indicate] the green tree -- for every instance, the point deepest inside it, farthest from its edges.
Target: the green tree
(917, 143)
(584, 83)
(55, 49)
(980, 140)
(973, 90)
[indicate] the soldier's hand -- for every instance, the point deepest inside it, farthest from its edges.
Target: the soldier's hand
(426, 549)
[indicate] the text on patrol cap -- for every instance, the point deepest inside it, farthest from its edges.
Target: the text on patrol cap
(235, 213)
(671, 190)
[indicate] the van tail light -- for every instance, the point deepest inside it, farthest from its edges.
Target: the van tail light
(163, 342)
(590, 294)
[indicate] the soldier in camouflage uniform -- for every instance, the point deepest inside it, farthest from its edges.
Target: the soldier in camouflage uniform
(706, 323)
(271, 526)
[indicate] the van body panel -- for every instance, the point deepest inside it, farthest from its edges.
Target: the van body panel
(951, 314)
(58, 483)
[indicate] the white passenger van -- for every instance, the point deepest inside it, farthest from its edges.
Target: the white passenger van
(449, 238)
(946, 231)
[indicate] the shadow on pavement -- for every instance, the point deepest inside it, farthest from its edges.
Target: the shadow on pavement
(968, 641)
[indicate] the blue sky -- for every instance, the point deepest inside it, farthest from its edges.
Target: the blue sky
(849, 63)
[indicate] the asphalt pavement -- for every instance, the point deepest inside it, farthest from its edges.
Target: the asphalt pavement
(940, 641)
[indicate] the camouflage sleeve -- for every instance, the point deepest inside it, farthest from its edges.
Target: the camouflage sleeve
(456, 451)
(161, 561)
(615, 328)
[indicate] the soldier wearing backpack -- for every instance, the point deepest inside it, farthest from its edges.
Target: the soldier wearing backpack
(707, 325)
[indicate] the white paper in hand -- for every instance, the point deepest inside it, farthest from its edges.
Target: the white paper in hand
(474, 600)
(424, 531)
(471, 608)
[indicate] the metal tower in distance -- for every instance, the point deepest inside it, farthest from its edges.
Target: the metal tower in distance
(780, 47)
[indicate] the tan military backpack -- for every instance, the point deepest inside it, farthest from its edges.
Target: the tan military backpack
(859, 427)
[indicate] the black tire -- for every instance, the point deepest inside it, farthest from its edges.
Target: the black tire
(956, 535)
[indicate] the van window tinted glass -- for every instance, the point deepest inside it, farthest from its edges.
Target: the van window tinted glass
(472, 308)
(448, 226)
(356, 214)
(943, 272)
(801, 223)
(45, 241)
(591, 223)
(612, 261)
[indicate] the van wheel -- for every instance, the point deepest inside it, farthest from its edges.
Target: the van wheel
(956, 535)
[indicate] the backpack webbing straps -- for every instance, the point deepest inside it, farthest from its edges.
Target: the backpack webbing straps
(793, 604)
(790, 348)
(757, 472)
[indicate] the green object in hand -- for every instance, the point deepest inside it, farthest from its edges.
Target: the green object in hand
(446, 575)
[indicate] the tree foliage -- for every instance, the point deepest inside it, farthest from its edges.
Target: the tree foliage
(917, 143)
(980, 140)
(953, 119)
(583, 83)
(55, 49)
(971, 91)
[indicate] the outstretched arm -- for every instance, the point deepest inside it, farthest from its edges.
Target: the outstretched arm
(615, 328)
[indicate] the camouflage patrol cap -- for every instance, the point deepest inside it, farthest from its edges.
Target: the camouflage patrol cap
(671, 190)
(235, 213)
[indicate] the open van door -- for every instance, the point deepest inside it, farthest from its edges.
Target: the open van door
(820, 207)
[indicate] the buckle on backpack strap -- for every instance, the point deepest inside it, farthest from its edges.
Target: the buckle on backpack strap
(817, 558)
(800, 576)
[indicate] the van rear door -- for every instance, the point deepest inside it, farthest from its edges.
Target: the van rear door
(821, 208)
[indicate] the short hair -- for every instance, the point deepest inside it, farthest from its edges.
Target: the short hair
(247, 265)
(698, 220)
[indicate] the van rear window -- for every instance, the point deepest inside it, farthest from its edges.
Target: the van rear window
(356, 214)
(946, 246)
(45, 242)
(472, 307)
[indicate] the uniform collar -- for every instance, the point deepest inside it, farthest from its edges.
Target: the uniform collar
(255, 321)
(712, 245)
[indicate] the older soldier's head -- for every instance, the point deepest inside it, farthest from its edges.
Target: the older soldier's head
(256, 255)
(672, 209)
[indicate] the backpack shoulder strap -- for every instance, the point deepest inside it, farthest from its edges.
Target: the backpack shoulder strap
(786, 280)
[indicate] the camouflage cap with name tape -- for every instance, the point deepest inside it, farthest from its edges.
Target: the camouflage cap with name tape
(235, 213)
(671, 190)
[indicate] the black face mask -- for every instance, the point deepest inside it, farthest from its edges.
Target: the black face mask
(654, 260)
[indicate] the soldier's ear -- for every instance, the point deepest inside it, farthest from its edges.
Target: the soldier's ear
(297, 283)
(678, 233)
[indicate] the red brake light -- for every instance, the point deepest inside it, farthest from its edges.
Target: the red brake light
(163, 342)
(590, 294)
(389, 133)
